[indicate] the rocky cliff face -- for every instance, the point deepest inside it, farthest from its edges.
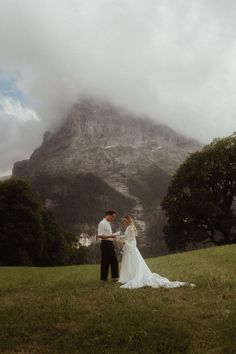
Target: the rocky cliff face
(97, 138)
(109, 143)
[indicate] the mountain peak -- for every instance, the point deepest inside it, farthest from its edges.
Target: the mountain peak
(107, 141)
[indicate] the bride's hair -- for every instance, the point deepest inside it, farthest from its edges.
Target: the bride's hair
(131, 222)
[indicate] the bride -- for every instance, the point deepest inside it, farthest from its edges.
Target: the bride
(134, 272)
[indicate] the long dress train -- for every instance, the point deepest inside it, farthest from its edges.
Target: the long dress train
(134, 272)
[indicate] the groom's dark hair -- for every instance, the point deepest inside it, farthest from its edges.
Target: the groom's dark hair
(110, 212)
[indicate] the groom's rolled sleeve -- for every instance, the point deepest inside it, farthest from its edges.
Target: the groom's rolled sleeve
(100, 230)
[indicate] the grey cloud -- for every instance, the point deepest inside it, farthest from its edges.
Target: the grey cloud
(17, 140)
(173, 60)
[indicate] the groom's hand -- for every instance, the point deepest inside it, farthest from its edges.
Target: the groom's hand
(116, 233)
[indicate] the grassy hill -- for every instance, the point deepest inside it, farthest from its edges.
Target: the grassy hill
(67, 309)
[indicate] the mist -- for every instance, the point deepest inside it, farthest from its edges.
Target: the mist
(171, 60)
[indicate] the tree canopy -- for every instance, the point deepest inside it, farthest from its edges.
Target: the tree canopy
(29, 233)
(199, 204)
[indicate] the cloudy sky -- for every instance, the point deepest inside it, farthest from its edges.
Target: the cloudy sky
(173, 60)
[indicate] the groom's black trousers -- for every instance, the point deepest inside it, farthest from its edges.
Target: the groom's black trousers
(108, 259)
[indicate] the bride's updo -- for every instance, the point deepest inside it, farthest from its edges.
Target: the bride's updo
(131, 222)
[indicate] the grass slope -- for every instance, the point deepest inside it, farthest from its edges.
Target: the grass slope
(67, 310)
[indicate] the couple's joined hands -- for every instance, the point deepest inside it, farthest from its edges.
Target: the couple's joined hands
(116, 236)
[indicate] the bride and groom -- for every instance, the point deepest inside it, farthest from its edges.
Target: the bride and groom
(134, 272)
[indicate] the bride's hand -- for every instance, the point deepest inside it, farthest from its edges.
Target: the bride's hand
(121, 242)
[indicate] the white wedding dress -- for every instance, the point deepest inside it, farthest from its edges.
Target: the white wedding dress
(134, 272)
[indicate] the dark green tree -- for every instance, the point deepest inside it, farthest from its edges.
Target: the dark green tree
(199, 203)
(56, 250)
(29, 233)
(21, 226)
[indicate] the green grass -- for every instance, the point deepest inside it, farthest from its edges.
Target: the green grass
(68, 310)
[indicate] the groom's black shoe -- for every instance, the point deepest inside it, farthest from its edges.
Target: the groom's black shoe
(115, 280)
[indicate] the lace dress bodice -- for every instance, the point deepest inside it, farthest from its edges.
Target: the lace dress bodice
(130, 237)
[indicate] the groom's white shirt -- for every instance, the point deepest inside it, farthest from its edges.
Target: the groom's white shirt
(104, 229)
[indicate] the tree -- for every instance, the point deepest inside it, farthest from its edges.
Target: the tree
(20, 224)
(56, 250)
(199, 203)
(29, 233)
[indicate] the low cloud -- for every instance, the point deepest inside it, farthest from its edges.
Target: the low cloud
(173, 60)
(20, 132)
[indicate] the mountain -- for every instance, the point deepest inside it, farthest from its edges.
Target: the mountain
(133, 155)
(79, 200)
(98, 138)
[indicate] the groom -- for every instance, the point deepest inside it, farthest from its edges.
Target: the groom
(108, 252)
